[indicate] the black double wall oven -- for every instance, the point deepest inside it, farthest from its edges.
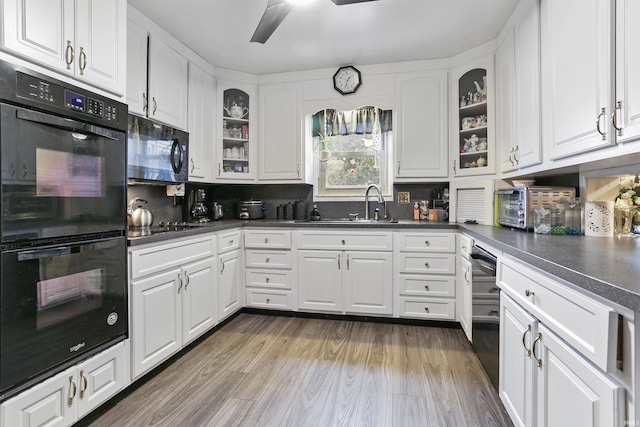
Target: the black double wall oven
(63, 281)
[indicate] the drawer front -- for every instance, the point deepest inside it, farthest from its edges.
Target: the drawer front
(272, 239)
(158, 258)
(427, 308)
(427, 242)
(431, 264)
(464, 245)
(229, 240)
(588, 325)
(269, 278)
(277, 300)
(365, 240)
(427, 286)
(267, 259)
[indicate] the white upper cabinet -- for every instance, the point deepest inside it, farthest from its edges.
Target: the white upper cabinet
(137, 43)
(577, 80)
(518, 91)
(281, 142)
(167, 76)
(627, 98)
(85, 39)
(421, 134)
(473, 139)
(201, 124)
(158, 90)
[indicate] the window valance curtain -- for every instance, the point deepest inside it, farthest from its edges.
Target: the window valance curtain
(360, 121)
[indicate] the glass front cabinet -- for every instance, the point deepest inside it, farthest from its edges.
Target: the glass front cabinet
(473, 139)
(237, 124)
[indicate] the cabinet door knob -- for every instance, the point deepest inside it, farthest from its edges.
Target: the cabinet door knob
(266, 280)
(72, 391)
(426, 288)
(426, 309)
(82, 61)
(533, 350)
(427, 243)
(69, 54)
(83, 385)
(529, 292)
(266, 240)
(426, 264)
(344, 242)
(266, 260)
(603, 113)
(268, 300)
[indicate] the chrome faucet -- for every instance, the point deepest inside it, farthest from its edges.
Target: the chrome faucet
(366, 199)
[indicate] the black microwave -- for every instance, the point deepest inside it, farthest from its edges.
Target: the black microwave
(156, 152)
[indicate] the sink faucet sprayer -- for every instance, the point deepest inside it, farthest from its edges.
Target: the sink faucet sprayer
(366, 200)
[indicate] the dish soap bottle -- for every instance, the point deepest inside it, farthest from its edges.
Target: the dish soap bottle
(416, 211)
(315, 214)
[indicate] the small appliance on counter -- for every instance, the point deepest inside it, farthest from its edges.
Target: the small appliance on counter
(199, 212)
(516, 205)
(138, 216)
(216, 211)
(249, 209)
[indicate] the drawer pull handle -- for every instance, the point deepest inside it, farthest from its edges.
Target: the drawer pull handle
(426, 288)
(529, 292)
(466, 277)
(180, 285)
(426, 264)
(266, 280)
(535, 343)
(426, 242)
(268, 300)
(266, 240)
(426, 309)
(266, 260)
(188, 281)
(231, 242)
(524, 337)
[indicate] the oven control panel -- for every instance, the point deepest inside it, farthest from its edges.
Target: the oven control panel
(67, 98)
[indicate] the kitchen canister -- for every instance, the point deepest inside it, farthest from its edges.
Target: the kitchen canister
(288, 211)
(300, 208)
(598, 218)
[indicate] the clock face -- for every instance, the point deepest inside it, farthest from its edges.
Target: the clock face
(347, 80)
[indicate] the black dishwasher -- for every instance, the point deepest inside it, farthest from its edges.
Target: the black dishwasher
(485, 319)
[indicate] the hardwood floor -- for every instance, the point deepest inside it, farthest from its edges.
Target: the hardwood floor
(261, 370)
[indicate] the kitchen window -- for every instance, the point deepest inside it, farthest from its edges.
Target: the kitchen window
(352, 149)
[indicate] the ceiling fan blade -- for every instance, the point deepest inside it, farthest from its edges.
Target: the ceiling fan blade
(276, 11)
(343, 2)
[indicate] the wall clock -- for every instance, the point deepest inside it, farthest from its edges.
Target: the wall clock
(347, 80)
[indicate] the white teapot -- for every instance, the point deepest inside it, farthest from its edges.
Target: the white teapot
(236, 111)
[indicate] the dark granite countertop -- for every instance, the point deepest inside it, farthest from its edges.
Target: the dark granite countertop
(607, 267)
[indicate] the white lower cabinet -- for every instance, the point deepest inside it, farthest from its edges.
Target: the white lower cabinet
(332, 277)
(426, 275)
(173, 305)
(555, 343)
(544, 382)
(71, 394)
(268, 273)
(230, 284)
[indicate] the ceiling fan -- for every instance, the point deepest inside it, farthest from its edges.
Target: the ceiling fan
(277, 10)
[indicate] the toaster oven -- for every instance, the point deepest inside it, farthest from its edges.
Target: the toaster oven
(515, 205)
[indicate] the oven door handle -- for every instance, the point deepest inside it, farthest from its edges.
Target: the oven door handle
(66, 124)
(47, 253)
(485, 263)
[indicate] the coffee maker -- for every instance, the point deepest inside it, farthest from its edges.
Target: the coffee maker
(199, 211)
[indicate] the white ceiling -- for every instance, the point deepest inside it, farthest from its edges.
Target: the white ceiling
(323, 35)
